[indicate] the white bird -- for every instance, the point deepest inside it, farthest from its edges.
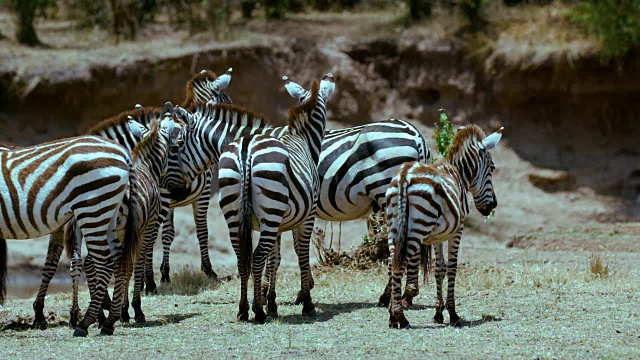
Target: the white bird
(222, 82)
(294, 89)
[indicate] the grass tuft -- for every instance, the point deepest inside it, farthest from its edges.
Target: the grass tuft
(188, 281)
(599, 266)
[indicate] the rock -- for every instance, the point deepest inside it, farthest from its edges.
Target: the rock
(553, 180)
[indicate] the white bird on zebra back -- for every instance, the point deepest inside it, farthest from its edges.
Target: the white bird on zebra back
(427, 204)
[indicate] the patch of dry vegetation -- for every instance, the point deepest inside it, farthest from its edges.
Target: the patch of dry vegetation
(187, 281)
(531, 309)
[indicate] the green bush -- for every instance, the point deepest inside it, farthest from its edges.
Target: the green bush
(443, 134)
(614, 22)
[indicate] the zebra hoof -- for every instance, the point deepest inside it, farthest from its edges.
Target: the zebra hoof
(79, 332)
(124, 317)
(383, 301)
(140, 319)
(244, 316)
(438, 318)
(310, 313)
(212, 275)
(299, 298)
(106, 332)
(40, 325)
(407, 327)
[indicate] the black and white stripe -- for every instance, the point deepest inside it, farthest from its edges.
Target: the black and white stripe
(86, 178)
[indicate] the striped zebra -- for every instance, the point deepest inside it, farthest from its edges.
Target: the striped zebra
(86, 178)
(204, 85)
(282, 179)
(427, 204)
(150, 162)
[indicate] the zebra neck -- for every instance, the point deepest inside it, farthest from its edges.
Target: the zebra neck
(459, 172)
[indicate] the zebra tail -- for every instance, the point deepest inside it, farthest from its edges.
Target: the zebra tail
(132, 239)
(70, 237)
(245, 228)
(425, 262)
(402, 228)
(3, 270)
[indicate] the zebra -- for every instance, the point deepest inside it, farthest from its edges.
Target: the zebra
(278, 181)
(428, 204)
(204, 85)
(86, 178)
(150, 161)
(201, 88)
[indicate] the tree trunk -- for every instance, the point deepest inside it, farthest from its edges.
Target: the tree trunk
(26, 11)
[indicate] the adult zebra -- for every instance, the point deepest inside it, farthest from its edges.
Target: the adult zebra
(204, 85)
(150, 162)
(271, 178)
(86, 178)
(428, 204)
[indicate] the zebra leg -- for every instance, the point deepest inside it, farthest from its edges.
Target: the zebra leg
(268, 238)
(452, 267)
(301, 240)
(54, 251)
(90, 272)
(438, 317)
(139, 272)
(74, 312)
(272, 271)
(168, 233)
(148, 242)
(119, 290)
(200, 208)
(124, 314)
(397, 320)
(104, 271)
(385, 299)
(412, 289)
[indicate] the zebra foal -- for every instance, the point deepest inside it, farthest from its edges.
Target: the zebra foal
(83, 178)
(427, 204)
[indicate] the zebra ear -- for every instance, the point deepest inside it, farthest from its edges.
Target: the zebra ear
(222, 82)
(327, 86)
(136, 128)
(167, 108)
(492, 140)
(184, 116)
(295, 90)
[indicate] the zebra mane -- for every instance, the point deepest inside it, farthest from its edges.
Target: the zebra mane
(468, 136)
(8, 146)
(246, 116)
(299, 115)
(144, 147)
(141, 115)
(203, 76)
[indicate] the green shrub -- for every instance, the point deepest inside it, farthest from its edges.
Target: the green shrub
(443, 134)
(616, 23)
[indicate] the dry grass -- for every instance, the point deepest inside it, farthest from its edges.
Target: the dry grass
(599, 265)
(529, 36)
(187, 281)
(530, 309)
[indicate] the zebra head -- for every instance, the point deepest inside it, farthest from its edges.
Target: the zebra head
(205, 86)
(481, 185)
